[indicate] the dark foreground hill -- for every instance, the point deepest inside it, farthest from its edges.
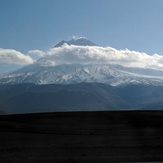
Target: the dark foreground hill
(90, 137)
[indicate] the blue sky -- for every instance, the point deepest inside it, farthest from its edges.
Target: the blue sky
(39, 24)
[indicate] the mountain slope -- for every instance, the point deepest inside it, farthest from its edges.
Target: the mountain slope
(31, 98)
(26, 98)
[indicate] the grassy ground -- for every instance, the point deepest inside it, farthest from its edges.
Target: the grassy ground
(91, 137)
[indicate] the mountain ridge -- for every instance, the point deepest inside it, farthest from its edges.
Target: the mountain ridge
(79, 41)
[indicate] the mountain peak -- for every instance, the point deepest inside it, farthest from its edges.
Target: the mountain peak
(81, 41)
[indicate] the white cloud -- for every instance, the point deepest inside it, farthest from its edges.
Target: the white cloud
(11, 56)
(70, 54)
(36, 52)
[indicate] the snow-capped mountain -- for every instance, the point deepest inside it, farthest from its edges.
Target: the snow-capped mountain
(76, 73)
(43, 71)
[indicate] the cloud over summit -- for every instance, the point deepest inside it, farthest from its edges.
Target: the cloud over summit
(71, 54)
(74, 54)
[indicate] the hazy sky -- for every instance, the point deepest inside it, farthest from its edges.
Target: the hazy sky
(39, 24)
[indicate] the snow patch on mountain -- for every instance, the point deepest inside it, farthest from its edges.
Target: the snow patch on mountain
(77, 73)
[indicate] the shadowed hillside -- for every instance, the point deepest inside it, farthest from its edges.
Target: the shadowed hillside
(31, 98)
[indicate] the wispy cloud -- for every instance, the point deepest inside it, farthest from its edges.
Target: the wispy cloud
(36, 52)
(11, 56)
(70, 54)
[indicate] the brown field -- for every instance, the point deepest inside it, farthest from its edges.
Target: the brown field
(91, 137)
